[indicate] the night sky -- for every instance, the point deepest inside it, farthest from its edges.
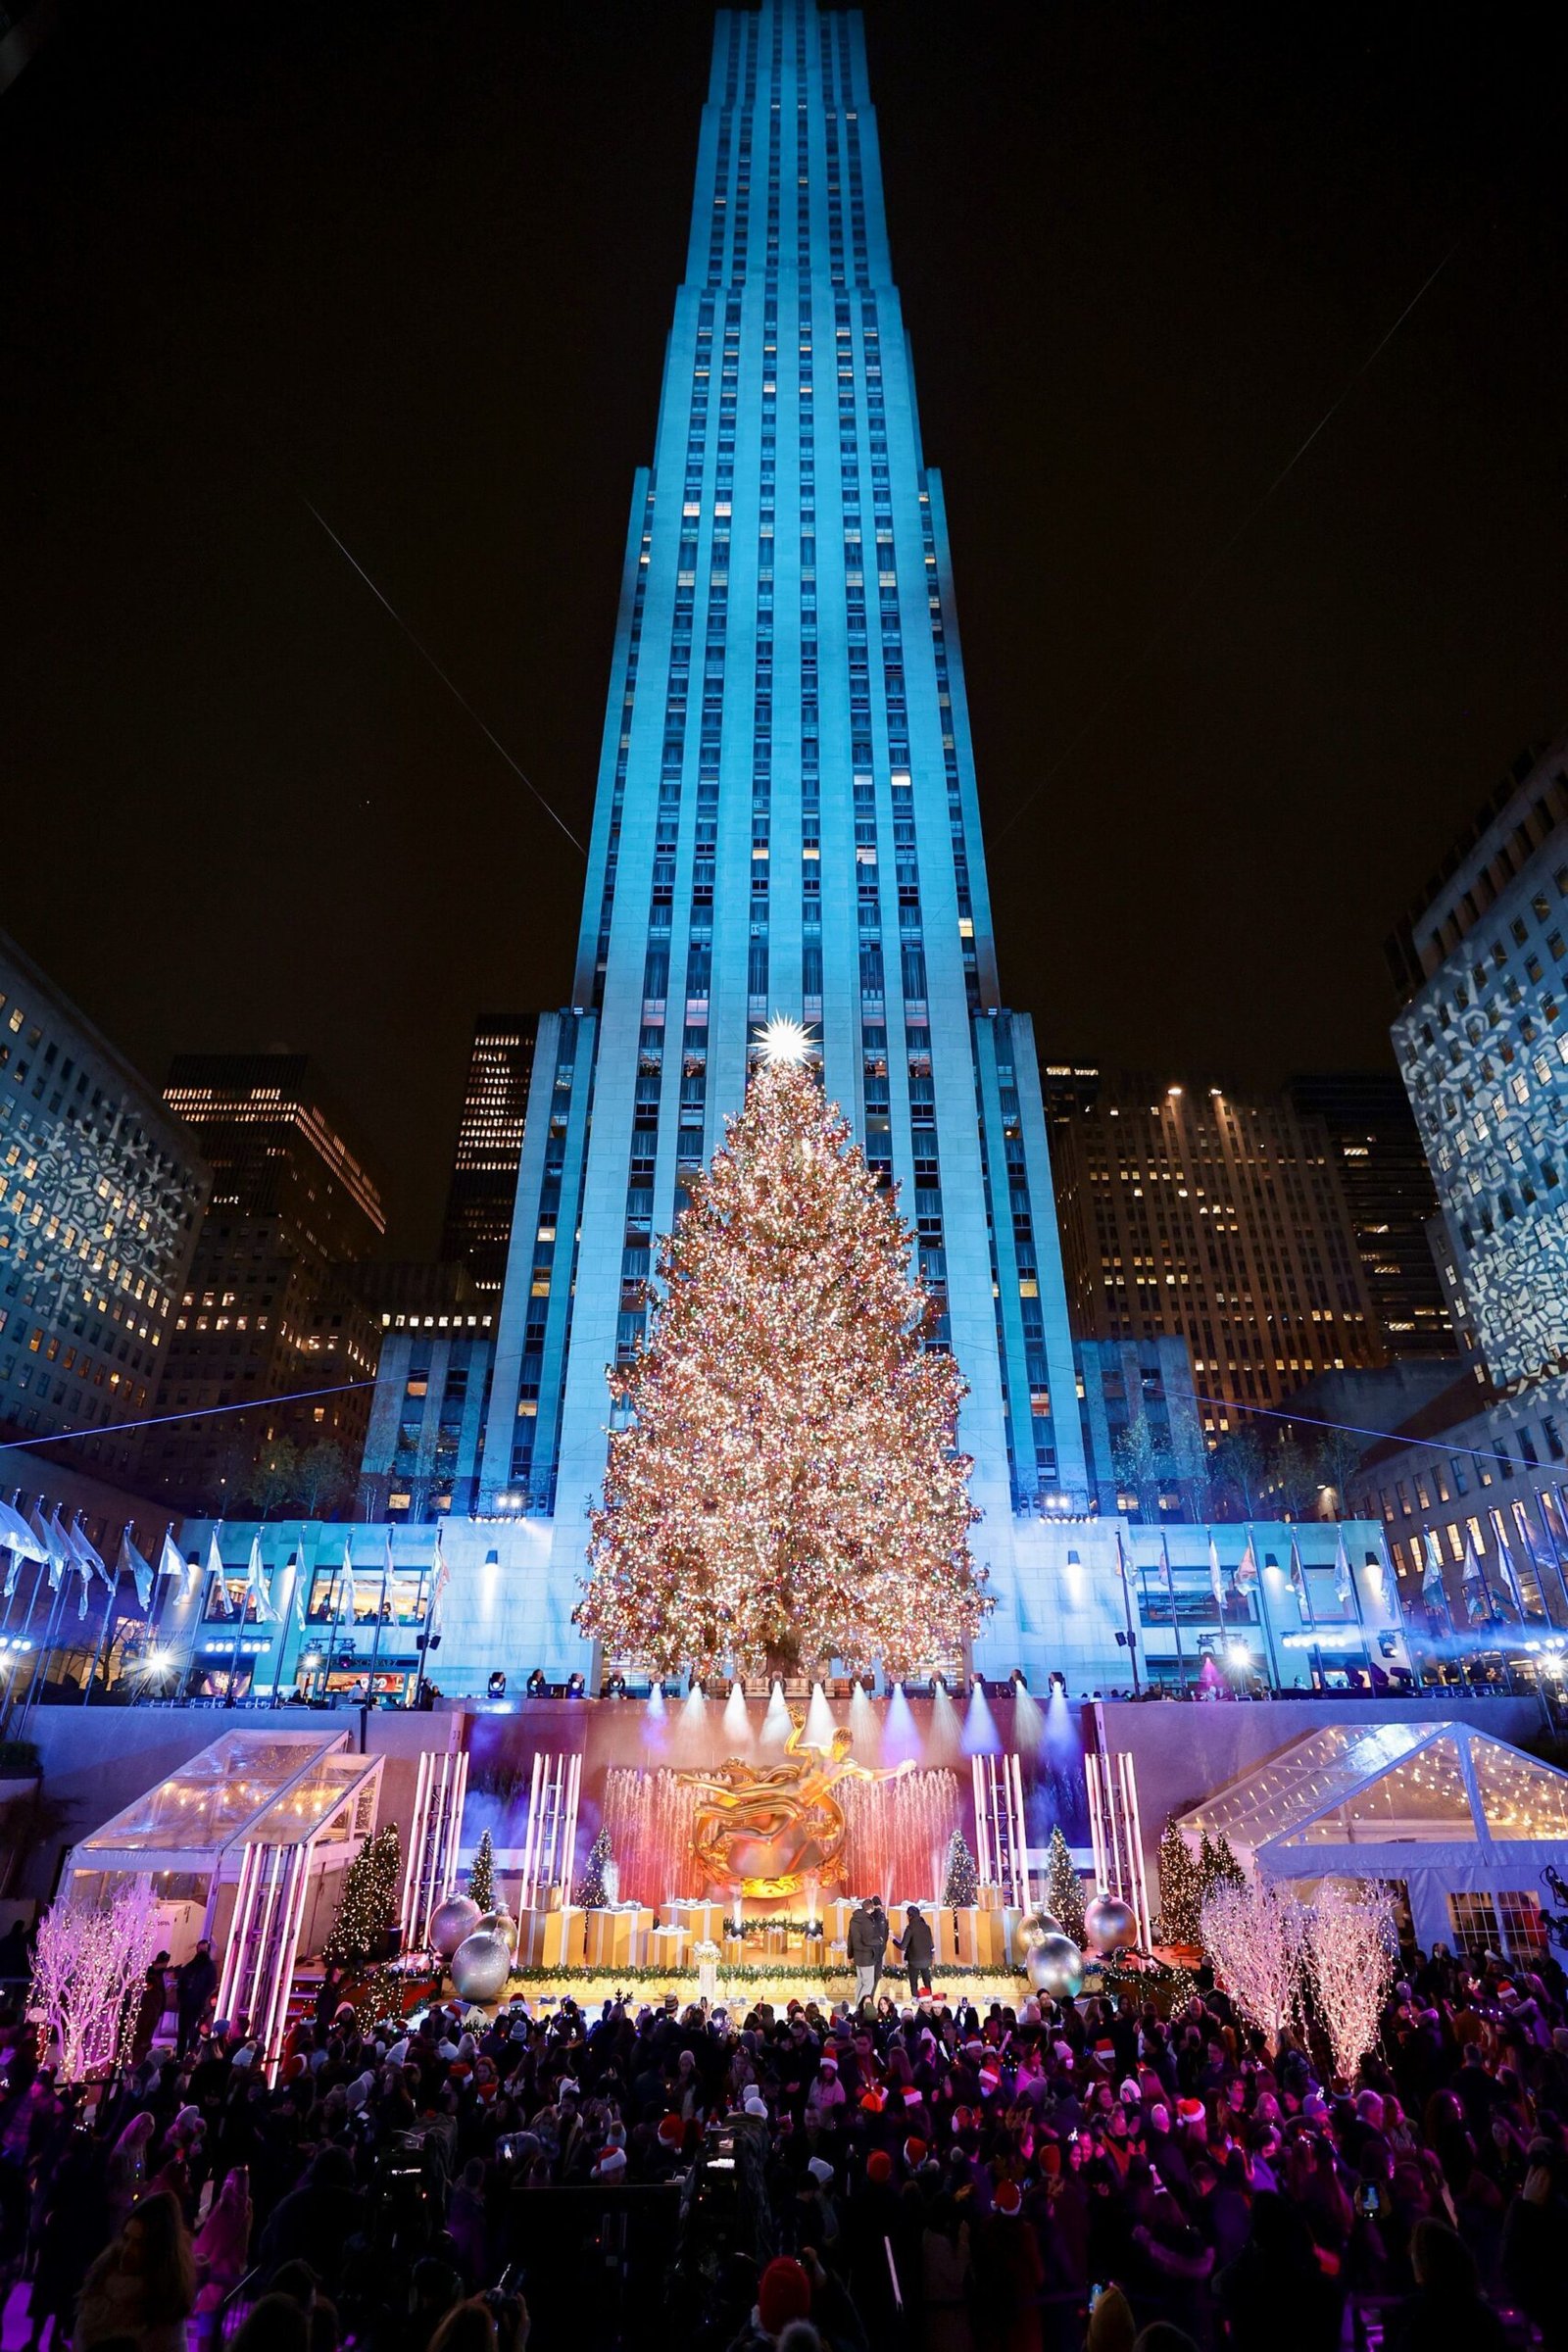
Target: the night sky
(419, 261)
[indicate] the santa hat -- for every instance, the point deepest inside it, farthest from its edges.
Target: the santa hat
(873, 2099)
(1128, 2093)
(783, 2294)
(1190, 2110)
(672, 2130)
(914, 2151)
(1008, 2201)
(612, 2161)
(827, 2064)
(913, 2097)
(879, 2165)
(990, 2079)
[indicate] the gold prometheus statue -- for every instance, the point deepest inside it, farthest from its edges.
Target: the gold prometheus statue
(770, 1826)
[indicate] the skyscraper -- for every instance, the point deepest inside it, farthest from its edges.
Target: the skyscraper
(484, 1169)
(1388, 1190)
(787, 821)
(270, 1307)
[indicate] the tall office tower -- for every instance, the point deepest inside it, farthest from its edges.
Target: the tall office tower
(272, 1306)
(1388, 1188)
(484, 1171)
(787, 821)
(1481, 961)
(1220, 1218)
(101, 1193)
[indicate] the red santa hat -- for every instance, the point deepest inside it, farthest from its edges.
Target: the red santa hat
(914, 2151)
(990, 2079)
(1008, 2198)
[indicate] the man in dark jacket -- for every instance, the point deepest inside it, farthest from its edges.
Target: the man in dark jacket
(918, 1948)
(863, 1949)
(195, 1983)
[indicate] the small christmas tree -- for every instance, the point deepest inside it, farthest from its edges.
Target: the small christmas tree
(963, 1884)
(789, 1486)
(1217, 1866)
(1065, 1892)
(367, 1907)
(591, 1894)
(481, 1873)
(1181, 1889)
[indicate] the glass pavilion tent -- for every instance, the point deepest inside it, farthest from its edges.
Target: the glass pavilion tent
(245, 1837)
(1466, 1824)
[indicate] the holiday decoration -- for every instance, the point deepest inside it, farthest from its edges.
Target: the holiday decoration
(1181, 1889)
(1253, 1935)
(88, 1972)
(789, 1488)
(1108, 1923)
(496, 1923)
(1055, 1966)
(367, 1907)
(1034, 1926)
(1065, 1892)
(1350, 1946)
(481, 1873)
(592, 1892)
(768, 1828)
(1217, 1866)
(456, 1917)
(480, 1966)
(961, 1885)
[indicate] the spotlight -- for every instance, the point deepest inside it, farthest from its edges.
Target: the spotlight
(496, 1688)
(536, 1687)
(576, 1687)
(1059, 1681)
(613, 1686)
(1020, 1680)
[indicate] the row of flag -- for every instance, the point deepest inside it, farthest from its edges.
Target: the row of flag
(1480, 1602)
(1245, 1576)
(64, 1547)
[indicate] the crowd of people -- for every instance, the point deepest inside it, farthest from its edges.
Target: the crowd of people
(901, 2176)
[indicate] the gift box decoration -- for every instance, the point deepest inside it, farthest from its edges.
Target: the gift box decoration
(705, 1921)
(991, 1898)
(549, 1939)
(669, 1947)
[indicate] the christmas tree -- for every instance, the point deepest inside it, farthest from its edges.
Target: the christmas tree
(367, 1907)
(591, 1895)
(788, 1489)
(1064, 1890)
(1181, 1889)
(481, 1873)
(962, 1885)
(1217, 1866)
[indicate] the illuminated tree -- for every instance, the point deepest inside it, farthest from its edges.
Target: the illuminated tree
(483, 1874)
(1351, 1947)
(961, 1887)
(1181, 1889)
(592, 1892)
(367, 1907)
(88, 1974)
(788, 1489)
(1065, 1890)
(1144, 1462)
(1217, 1866)
(1253, 1935)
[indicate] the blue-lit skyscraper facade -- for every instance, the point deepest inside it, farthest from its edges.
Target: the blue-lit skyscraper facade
(786, 821)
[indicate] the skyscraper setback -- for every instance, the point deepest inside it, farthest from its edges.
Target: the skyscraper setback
(786, 821)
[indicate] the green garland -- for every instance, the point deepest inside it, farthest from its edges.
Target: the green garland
(742, 1969)
(749, 1929)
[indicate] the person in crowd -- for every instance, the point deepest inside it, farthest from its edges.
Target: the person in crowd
(195, 1983)
(150, 2008)
(142, 2288)
(917, 1948)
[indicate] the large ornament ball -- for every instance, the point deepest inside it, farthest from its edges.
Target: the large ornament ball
(1036, 1923)
(1109, 1925)
(498, 1923)
(480, 1966)
(1055, 1966)
(457, 1918)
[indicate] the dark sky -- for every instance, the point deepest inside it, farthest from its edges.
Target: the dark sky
(421, 260)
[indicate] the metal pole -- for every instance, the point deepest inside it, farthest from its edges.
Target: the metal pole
(45, 1653)
(1127, 1567)
(1264, 1626)
(376, 1646)
(103, 1637)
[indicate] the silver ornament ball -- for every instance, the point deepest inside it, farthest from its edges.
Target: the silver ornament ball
(1036, 1923)
(457, 1918)
(1109, 1925)
(1055, 1966)
(498, 1923)
(480, 1966)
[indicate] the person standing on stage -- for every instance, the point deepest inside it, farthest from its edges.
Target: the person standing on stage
(918, 1948)
(882, 1934)
(864, 1949)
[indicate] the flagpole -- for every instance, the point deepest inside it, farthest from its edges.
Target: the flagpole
(1123, 1562)
(376, 1645)
(32, 1602)
(103, 1633)
(1260, 1588)
(1553, 1547)
(45, 1655)
(337, 1621)
(1175, 1618)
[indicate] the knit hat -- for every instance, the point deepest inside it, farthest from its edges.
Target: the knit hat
(1008, 2199)
(879, 2165)
(783, 2294)
(1130, 2094)
(821, 2170)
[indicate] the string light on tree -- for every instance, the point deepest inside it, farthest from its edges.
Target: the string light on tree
(481, 1873)
(789, 1488)
(961, 1887)
(1181, 1889)
(593, 1893)
(1351, 1940)
(1065, 1889)
(88, 1970)
(1253, 1933)
(368, 1904)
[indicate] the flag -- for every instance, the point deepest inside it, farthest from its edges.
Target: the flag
(296, 1570)
(13, 1565)
(218, 1599)
(1433, 1591)
(1124, 1566)
(82, 1556)
(1506, 1559)
(1170, 1575)
(256, 1584)
(169, 1561)
(16, 1535)
(1247, 1567)
(1473, 1580)
(1216, 1581)
(88, 1554)
(1299, 1577)
(130, 1563)
(346, 1598)
(442, 1574)
(1344, 1582)
(46, 1533)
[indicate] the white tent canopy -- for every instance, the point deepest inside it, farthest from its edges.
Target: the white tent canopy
(1462, 1820)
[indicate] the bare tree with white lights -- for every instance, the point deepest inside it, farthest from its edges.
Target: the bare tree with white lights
(88, 1972)
(1253, 1935)
(1351, 1947)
